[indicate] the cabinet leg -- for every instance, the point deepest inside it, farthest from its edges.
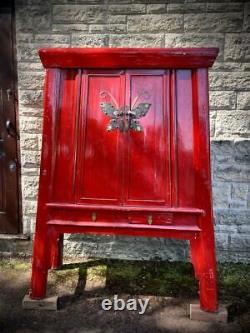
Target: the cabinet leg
(40, 265)
(203, 260)
(56, 254)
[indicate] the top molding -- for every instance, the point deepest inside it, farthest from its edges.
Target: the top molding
(119, 58)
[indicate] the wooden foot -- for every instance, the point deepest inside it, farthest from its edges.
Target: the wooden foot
(196, 313)
(48, 303)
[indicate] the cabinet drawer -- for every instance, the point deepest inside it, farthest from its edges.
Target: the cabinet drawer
(155, 218)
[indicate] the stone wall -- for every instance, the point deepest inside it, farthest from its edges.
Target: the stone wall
(171, 23)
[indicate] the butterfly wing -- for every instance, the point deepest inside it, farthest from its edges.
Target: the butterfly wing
(141, 110)
(108, 109)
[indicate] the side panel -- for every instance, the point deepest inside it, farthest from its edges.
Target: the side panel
(99, 151)
(184, 147)
(65, 135)
(147, 159)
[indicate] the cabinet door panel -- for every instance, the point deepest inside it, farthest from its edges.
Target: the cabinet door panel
(100, 151)
(147, 160)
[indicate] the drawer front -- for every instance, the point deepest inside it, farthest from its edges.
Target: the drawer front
(151, 219)
(93, 215)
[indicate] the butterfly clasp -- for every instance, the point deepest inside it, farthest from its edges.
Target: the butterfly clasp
(125, 118)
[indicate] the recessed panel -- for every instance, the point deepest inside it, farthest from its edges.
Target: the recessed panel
(185, 139)
(99, 159)
(147, 149)
(65, 130)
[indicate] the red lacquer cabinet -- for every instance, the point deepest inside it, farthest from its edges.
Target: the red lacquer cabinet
(126, 151)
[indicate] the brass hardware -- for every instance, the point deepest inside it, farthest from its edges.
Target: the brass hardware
(93, 216)
(123, 118)
(150, 219)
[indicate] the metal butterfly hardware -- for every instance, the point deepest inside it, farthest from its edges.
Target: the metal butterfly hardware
(124, 118)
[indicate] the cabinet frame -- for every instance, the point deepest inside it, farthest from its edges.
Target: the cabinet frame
(193, 222)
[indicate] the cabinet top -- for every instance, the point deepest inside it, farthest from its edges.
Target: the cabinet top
(119, 58)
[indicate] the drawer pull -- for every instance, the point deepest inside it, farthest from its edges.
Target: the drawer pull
(94, 216)
(150, 219)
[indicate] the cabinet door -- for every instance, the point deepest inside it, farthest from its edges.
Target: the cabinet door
(147, 161)
(99, 150)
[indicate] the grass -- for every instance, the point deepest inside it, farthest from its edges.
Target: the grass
(149, 277)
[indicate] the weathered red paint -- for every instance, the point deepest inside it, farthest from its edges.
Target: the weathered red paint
(153, 183)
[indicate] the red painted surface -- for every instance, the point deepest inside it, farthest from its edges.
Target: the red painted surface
(120, 57)
(153, 183)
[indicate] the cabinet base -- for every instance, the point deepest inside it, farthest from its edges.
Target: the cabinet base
(48, 303)
(196, 313)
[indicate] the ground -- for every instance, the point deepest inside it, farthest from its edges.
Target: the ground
(82, 286)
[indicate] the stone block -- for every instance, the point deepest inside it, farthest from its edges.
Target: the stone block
(226, 66)
(137, 40)
(221, 194)
(246, 21)
(156, 8)
(70, 27)
(29, 142)
(212, 121)
(30, 125)
(25, 37)
(180, 8)
(30, 111)
(222, 151)
(222, 100)
(31, 80)
(240, 191)
(24, 66)
(224, 8)
(242, 151)
(196, 40)
(238, 242)
(237, 47)
(89, 40)
(79, 13)
(221, 240)
(33, 18)
(155, 23)
(232, 172)
(31, 97)
(30, 187)
(117, 19)
(29, 207)
(230, 80)
(27, 52)
(233, 124)
(30, 159)
(30, 171)
(48, 303)
(104, 28)
(52, 38)
(230, 161)
(127, 248)
(243, 100)
(196, 313)
(19, 3)
(127, 9)
(222, 229)
(216, 22)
